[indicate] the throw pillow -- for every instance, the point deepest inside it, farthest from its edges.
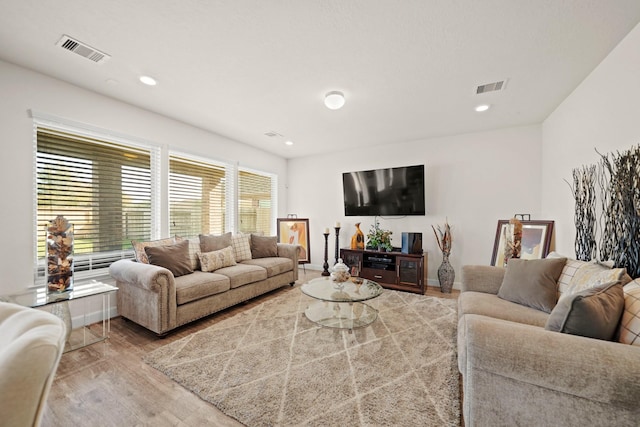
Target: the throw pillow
(592, 313)
(211, 242)
(593, 274)
(138, 247)
(194, 250)
(263, 247)
(214, 260)
(241, 247)
(569, 270)
(174, 258)
(532, 282)
(630, 323)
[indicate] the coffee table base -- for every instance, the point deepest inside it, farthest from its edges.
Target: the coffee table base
(341, 315)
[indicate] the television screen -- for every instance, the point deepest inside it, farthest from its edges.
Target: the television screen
(392, 191)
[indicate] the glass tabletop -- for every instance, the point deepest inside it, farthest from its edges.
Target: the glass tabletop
(38, 297)
(353, 290)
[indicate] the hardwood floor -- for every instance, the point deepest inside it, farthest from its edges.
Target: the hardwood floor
(108, 384)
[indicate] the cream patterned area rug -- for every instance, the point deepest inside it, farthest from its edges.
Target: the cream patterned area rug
(270, 366)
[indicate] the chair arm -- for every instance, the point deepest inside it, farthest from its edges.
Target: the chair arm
(600, 371)
(482, 278)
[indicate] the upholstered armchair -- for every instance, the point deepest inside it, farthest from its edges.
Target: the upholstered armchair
(31, 344)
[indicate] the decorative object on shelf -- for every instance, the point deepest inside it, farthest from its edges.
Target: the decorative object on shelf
(379, 238)
(295, 231)
(340, 273)
(357, 240)
(512, 240)
(325, 266)
(535, 242)
(446, 273)
(337, 228)
(59, 255)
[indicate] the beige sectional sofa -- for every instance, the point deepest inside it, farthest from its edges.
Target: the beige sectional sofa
(516, 372)
(152, 296)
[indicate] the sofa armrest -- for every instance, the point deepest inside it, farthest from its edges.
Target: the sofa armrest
(481, 278)
(599, 371)
(290, 251)
(146, 276)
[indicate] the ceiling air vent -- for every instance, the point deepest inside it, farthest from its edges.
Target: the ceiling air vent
(82, 49)
(491, 87)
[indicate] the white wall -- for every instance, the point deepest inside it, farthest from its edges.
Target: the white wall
(472, 179)
(603, 113)
(22, 90)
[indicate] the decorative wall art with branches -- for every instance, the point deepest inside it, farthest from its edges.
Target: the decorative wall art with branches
(607, 212)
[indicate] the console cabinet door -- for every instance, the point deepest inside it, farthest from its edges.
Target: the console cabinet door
(352, 259)
(409, 271)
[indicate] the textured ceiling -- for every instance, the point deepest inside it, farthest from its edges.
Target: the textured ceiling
(243, 68)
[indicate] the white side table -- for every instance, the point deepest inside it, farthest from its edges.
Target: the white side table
(58, 304)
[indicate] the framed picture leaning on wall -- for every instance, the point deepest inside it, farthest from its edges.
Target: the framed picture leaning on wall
(295, 231)
(536, 240)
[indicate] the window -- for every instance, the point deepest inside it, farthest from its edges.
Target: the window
(197, 197)
(103, 188)
(257, 193)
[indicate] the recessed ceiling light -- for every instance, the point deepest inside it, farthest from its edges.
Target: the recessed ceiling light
(149, 81)
(288, 142)
(334, 100)
(483, 107)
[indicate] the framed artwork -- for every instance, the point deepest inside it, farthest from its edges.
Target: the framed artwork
(536, 240)
(295, 231)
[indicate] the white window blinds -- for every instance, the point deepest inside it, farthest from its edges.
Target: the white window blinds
(102, 187)
(256, 202)
(197, 197)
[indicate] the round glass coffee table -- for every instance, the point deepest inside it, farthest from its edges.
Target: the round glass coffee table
(341, 305)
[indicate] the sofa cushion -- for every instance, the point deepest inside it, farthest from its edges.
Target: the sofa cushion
(199, 285)
(570, 268)
(241, 247)
(215, 260)
(532, 282)
(592, 313)
(212, 242)
(194, 250)
(593, 274)
(264, 246)
(174, 258)
(138, 247)
(273, 265)
(490, 305)
(243, 274)
(630, 323)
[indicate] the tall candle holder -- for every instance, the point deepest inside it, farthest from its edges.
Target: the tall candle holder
(337, 243)
(325, 266)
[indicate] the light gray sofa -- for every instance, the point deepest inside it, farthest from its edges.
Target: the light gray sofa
(151, 296)
(516, 373)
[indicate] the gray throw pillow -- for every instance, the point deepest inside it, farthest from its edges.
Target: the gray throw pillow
(263, 247)
(532, 282)
(211, 242)
(174, 258)
(593, 313)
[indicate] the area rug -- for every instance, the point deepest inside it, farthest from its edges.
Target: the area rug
(271, 366)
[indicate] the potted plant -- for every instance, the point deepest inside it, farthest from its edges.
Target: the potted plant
(379, 238)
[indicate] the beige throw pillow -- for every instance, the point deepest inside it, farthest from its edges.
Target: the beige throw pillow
(241, 247)
(532, 282)
(138, 247)
(630, 322)
(593, 274)
(174, 258)
(214, 260)
(263, 247)
(593, 313)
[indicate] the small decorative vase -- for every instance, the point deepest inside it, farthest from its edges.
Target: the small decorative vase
(357, 240)
(340, 273)
(446, 275)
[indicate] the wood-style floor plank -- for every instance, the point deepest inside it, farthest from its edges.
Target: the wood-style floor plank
(108, 384)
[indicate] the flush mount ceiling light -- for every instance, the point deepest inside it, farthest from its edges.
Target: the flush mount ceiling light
(288, 142)
(483, 107)
(149, 81)
(334, 100)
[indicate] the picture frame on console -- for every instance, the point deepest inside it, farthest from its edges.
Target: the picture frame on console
(536, 240)
(295, 231)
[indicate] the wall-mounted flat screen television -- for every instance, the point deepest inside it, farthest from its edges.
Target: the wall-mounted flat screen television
(380, 192)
